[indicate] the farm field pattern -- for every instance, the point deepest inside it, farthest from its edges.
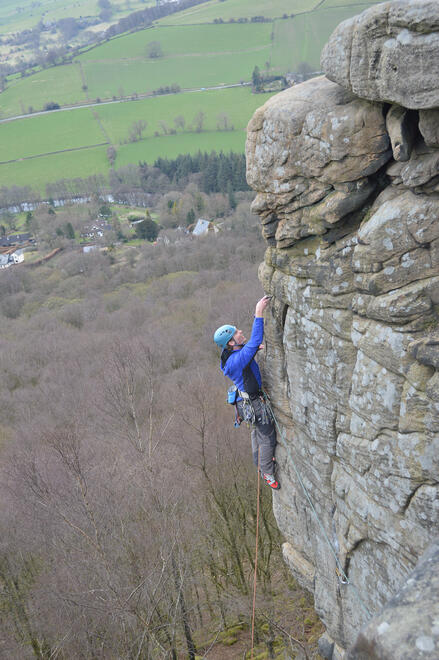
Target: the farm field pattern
(25, 14)
(195, 56)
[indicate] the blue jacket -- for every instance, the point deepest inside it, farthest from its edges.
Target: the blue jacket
(239, 365)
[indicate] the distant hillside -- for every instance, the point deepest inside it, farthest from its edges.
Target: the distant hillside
(208, 46)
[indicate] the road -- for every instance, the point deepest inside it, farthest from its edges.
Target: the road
(126, 99)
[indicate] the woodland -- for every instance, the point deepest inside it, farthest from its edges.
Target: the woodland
(129, 499)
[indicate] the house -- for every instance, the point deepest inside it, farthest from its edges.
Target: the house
(17, 256)
(4, 261)
(96, 230)
(90, 248)
(19, 238)
(203, 227)
(11, 256)
(16, 239)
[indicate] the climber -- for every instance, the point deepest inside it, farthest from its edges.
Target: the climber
(238, 363)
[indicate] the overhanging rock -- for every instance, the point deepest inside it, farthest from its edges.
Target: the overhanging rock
(388, 53)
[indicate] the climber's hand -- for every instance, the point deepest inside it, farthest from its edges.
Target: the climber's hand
(261, 305)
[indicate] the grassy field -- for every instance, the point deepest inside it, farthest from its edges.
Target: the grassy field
(238, 103)
(16, 16)
(86, 127)
(40, 171)
(302, 38)
(48, 133)
(188, 72)
(195, 56)
(62, 84)
(189, 40)
(208, 11)
(185, 143)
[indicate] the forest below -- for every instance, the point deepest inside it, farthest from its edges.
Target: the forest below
(128, 497)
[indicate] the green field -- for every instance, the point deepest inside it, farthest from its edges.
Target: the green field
(73, 129)
(188, 72)
(62, 84)
(196, 55)
(302, 38)
(183, 41)
(193, 57)
(235, 9)
(209, 11)
(238, 103)
(40, 171)
(171, 146)
(24, 14)
(48, 133)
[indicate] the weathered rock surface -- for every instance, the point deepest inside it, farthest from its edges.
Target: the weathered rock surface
(311, 151)
(401, 132)
(348, 196)
(394, 633)
(429, 126)
(388, 53)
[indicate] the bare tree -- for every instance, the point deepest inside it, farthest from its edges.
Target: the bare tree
(137, 129)
(111, 154)
(199, 121)
(223, 122)
(154, 50)
(180, 122)
(164, 126)
(128, 398)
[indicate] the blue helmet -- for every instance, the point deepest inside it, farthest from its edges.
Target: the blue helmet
(223, 335)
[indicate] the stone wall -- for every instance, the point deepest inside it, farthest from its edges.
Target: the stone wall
(346, 169)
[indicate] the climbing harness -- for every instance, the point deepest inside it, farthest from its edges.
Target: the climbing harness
(341, 575)
(245, 407)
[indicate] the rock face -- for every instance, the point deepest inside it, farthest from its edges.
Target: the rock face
(388, 53)
(348, 196)
(404, 629)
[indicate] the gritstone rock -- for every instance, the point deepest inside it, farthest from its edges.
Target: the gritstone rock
(388, 53)
(348, 196)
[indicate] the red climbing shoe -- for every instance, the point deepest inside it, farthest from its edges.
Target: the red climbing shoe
(271, 481)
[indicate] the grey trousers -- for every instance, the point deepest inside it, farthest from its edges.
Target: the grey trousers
(263, 433)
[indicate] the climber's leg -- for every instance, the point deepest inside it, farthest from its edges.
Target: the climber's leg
(263, 438)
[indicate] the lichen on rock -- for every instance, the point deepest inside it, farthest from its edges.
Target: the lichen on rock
(347, 179)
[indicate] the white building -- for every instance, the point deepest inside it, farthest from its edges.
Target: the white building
(4, 261)
(203, 227)
(17, 256)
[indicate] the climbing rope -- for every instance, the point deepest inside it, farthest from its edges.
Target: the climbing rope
(256, 553)
(342, 577)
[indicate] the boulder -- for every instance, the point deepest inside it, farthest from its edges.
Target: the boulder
(429, 126)
(310, 153)
(389, 53)
(315, 130)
